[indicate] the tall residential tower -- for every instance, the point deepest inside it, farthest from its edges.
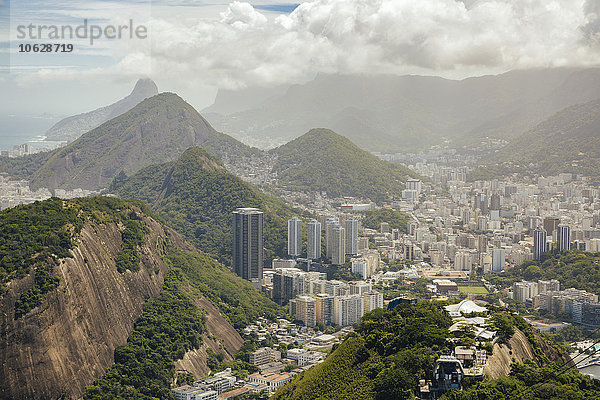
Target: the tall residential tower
(248, 243)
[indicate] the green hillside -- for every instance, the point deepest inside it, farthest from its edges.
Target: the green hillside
(24, 167)
(573, 268)
(323, 161)
(158, 129)
(569, 141)
(33, 240)
(196, 195)
(392, 350)
(171, 325)
(385, 360)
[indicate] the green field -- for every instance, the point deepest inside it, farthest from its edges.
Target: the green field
(473, 289)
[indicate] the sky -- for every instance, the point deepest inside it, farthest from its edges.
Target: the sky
(195, 47)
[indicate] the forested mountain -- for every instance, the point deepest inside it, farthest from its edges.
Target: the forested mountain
(72, 127)
(398, 113)
(158, 129)
(196, 195)
(569, 141)
(89, 285)
(323, 161)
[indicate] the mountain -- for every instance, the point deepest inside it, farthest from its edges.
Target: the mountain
(568, 141)
(158, 129)
(399, 113)
(71, 128)
(88, 286)
(323, 161)
(196, 195)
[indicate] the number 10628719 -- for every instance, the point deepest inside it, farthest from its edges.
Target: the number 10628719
(45, 48)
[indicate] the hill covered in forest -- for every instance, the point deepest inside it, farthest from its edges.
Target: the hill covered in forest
(569, 141)
(196, 195)
(87, 286)
(393, 350)
(159, 129)
(323, 161)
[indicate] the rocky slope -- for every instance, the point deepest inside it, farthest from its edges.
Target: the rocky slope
(68, 340)
(71, 128)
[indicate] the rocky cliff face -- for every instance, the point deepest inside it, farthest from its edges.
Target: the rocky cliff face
(518, 350)
(60, 347)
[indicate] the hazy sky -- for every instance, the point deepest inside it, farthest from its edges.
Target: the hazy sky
(195, 47)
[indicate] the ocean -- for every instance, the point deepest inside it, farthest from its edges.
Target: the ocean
(19, 129)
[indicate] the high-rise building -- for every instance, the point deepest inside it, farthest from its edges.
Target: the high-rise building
(372, 300)
(306, 310)
(550, 224)
(324, 308)
(498, 260)
(248, 243)
(294, 237)
(352, 236)
(539, 243)
(338, 250)
(313, 236)
(330, 223)
(563, 238)
(414, 184)
(348, 310)
(495, 202)
(361, 267)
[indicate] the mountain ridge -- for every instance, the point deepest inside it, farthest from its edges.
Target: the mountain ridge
(70, 128)
(323, 161)
(158, 129)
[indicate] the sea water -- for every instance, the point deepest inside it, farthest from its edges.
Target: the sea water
(19, 129)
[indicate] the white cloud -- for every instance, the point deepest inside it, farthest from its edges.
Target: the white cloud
(243, 46)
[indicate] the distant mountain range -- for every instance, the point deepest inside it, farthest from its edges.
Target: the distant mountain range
(158, 129)
(323, 161)
(395, 113)
(71, 128)
(568, 141)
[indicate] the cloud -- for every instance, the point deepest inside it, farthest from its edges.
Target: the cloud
(244, 47)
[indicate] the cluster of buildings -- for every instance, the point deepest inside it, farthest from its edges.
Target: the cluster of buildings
(582, 306)
(17, 192)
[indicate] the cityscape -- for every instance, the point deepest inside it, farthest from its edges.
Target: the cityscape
(314, 200)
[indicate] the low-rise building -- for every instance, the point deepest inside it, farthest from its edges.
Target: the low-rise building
(273, 381)
(187, 392)
(264, 355)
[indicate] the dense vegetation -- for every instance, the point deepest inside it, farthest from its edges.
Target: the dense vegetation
(573, 268)
(169, 326)
(391, 351)
(196, 195)
(396, 219)
(132, 236)
(323, 161)
(24, 167)
(235, 298)
(157, 130)
(528, 381)
(34, 237)
(575, 129)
